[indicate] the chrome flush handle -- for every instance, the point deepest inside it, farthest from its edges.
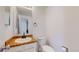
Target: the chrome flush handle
(67, 50)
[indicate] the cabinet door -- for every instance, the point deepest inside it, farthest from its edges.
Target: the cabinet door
(28, 48)
(24, 48)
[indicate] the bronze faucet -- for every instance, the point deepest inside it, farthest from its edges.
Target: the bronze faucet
(23, 36)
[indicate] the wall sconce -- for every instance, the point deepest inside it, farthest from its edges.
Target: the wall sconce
(35, 24)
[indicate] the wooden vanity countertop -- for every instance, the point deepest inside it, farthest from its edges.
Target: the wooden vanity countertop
(11, 42)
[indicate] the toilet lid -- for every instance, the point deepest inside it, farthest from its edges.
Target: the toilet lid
(47, 48)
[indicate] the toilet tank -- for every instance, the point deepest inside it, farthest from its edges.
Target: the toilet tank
(42, 40)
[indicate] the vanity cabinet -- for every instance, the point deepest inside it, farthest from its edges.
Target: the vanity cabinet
(24, 48)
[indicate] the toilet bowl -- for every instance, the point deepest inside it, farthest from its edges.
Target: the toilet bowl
(47, 48)
(43, 47)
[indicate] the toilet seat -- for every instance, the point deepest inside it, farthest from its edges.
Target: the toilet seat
(47, 48)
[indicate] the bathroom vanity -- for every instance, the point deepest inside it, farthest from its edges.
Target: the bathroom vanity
(19, 44)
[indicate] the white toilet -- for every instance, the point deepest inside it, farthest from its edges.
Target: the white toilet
(47, 48)
(43, 47)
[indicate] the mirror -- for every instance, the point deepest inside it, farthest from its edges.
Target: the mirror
(22, 25)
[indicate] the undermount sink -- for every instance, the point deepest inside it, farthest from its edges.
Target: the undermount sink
(22, 40)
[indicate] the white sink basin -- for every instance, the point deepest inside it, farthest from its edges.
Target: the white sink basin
(22, 40)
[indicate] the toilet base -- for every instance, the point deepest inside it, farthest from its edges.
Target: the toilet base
(46, 48)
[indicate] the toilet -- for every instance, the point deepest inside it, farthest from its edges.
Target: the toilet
(43, 47)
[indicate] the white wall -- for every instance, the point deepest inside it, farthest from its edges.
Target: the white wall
(50, 21)
(55, 26)
(39, 18)
(2, 27)
(72, 28)
(63, 23)
(6, 32)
